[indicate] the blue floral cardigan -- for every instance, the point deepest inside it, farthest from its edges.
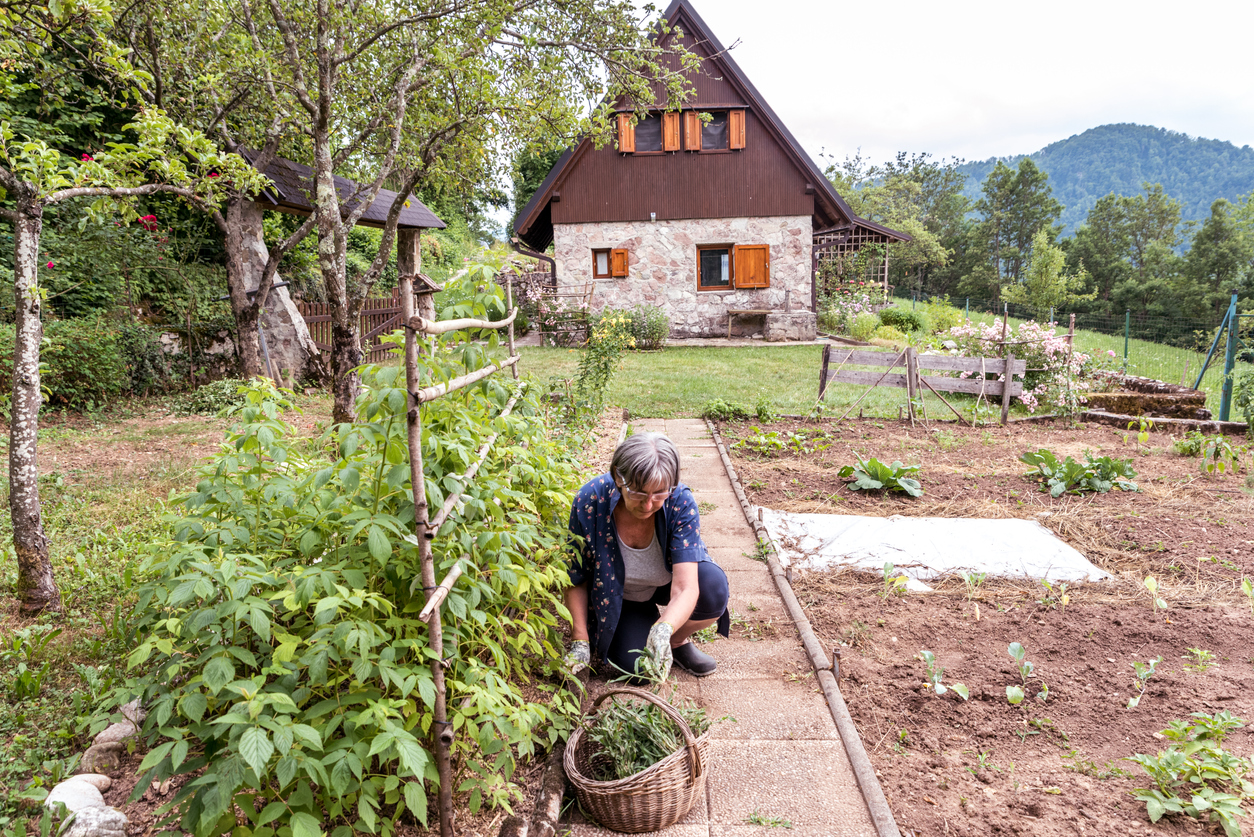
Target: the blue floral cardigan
(597, 561)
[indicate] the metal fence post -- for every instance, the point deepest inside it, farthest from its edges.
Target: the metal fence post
(1230, 357)
(968, 309)
(1127, 325)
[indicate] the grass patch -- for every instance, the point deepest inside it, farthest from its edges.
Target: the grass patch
(679, 381)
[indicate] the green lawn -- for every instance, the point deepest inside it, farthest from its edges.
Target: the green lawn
(678, 381)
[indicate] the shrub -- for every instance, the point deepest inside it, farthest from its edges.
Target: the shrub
(212, 398)
(941, 316)
(889, 334)
(1046, 352)
(720, 410)
(648, 325)
(904, 320)
(282, 658)
(864, 325)
(841, 308)
(83, 367)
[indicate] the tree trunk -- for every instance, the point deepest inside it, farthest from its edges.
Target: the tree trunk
(36, 588)
(345, 358)
(243, 220)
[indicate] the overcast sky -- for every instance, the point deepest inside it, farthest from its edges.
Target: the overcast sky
(980, 79)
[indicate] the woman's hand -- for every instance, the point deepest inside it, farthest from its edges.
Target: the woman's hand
(658, 646)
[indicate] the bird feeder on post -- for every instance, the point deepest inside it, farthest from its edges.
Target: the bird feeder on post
(425, 289)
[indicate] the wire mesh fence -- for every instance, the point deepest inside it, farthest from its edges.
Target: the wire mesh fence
(1169, 349)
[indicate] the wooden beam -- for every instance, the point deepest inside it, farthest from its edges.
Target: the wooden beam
(445, 326)
(1005, 392)
(441, 592)
(827, 356)
(433, 392)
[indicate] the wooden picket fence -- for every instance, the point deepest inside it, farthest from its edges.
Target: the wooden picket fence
(913, 381)
(379, 315)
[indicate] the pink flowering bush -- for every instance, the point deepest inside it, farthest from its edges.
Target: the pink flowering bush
(843, 307)
(1050, 364)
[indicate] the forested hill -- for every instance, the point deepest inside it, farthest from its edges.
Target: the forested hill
(1119, 158)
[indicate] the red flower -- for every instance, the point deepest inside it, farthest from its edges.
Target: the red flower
(87, 158)
(51, 265)
(213, 174)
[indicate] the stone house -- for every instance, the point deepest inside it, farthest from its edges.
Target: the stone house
(722, 221)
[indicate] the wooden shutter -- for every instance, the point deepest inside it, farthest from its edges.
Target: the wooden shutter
(670, 132)
(692, 131)
(736, 128)
(626, 134)
(618, 263)
(753, 266)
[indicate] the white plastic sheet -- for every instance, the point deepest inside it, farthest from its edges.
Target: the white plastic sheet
(925, 548)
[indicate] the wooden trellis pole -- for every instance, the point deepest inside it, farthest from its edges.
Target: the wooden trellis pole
(442, 729)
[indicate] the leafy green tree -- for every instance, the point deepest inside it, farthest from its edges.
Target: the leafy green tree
(34, 175)
(1218, 263)
(420, 98)
(1047, 283)
(1016, 204)
(915, 195)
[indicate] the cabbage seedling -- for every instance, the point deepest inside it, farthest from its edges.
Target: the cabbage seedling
(1014, 694)
(1247, 587)
(1019, 654)
(894, 585)
(934, 674)
(1144, 671)
(1151, 584)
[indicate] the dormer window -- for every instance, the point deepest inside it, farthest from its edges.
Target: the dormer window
(661, 132)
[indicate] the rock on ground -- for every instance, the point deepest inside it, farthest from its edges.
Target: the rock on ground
(97, 822)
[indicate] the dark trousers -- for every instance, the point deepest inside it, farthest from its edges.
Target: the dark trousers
(638, 617)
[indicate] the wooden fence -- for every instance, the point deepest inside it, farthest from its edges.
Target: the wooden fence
(979, 369)
(379, 316)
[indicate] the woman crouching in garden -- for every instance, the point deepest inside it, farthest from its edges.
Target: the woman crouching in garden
(639, 548)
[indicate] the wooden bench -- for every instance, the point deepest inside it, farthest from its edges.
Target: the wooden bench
(736, 312)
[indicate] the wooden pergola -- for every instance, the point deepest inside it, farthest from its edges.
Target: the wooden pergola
(835, 255)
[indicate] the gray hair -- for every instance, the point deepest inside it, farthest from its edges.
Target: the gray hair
(644, 459)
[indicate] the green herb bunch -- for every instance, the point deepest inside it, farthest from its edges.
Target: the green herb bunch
(628, 736)
(1098, 474)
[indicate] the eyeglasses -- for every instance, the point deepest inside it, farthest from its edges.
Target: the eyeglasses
(644, 495)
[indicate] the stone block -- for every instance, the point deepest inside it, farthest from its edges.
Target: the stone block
(784, 326)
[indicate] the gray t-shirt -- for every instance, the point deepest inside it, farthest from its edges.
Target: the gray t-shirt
(645, 570)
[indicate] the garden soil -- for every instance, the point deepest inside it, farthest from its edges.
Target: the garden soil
(1049, 766)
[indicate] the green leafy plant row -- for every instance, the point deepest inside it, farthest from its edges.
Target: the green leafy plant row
(282, 656)
(872, 475)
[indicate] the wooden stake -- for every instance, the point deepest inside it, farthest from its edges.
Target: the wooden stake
(1005, 388)
(509, 306)
(923, 381)
(912, 372)
(440, 728)
(827, 355)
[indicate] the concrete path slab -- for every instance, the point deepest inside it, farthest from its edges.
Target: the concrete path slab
(783, 757)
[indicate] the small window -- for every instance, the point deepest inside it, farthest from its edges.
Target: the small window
(649, 133)
(713, 133)
(600, 264)
(715, 268)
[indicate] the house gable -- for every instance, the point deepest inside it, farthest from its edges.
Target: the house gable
(770, 176)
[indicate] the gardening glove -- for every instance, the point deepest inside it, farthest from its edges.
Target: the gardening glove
(658, 646)
(578, 657)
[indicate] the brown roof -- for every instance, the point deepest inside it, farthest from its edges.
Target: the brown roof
(535, 225)
(293, 183)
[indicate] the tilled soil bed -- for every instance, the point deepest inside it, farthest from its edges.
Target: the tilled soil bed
(1045, 767)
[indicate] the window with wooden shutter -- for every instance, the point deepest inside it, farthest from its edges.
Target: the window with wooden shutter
(626, 134)
(753, 266)
(618, 263)
(670, 131)
(692, 131)
(600, 264)
(736, 128)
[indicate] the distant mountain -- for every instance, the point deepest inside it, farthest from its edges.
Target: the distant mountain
(1119, 158)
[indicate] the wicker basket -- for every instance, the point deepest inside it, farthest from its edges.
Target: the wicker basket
(650, 800)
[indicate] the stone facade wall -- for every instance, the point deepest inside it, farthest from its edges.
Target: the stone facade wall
(662, 268)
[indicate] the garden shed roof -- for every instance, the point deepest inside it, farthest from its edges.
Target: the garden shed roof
(293, 183)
